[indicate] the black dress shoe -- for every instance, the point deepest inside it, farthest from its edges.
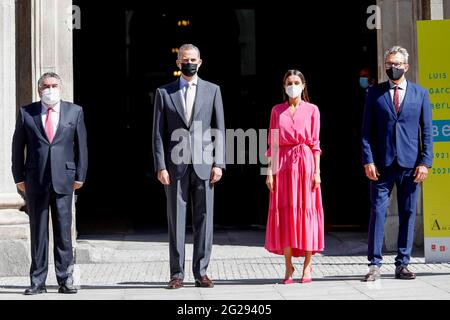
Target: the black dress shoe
(67, 288)
(402, 272)
(35, 290)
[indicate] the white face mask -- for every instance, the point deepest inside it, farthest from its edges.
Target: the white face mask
(51, 96)
(294, 91)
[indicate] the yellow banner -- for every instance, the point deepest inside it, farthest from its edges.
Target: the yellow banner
(434, 74)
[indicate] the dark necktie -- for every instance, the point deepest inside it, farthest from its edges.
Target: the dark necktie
(396, 99)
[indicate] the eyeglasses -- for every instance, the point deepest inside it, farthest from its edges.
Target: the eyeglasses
(393, 64)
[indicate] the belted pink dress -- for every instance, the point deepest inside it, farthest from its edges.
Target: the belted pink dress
(295, 217)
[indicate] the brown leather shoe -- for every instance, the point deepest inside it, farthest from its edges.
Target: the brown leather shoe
(175, 283)
(204, 282)
(402, 272)
(373, 274)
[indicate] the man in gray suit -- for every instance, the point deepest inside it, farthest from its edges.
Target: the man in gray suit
(188, 114)
(49, 162)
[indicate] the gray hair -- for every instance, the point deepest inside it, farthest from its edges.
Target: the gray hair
(46, 76)
(188, 46)
(397, 49)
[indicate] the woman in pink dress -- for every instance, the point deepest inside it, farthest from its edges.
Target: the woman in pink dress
(295, 221)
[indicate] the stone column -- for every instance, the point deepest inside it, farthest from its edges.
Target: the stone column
(14, 226)
(398, 27)
(446, 7)
(44, 44)
(51, 43)
(436, 10)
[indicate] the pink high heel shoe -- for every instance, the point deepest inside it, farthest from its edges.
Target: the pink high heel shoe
(307, 280)
(289, 280)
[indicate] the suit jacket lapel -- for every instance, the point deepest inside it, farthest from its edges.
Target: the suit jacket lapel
(177, 100)
(387, 97)
(63, 110)
(405, 99)
(38, 119)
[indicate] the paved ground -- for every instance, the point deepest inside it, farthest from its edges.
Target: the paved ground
(136, 267)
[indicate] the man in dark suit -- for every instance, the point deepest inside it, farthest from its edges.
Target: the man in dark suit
(188, 114)
(397, 149)
(49, 162)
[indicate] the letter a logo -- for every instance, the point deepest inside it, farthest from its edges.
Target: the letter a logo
(435, 225)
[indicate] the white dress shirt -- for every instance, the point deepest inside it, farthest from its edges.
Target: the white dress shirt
(184, 85)
(401, 90)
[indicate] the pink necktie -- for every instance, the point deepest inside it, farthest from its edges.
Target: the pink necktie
(49, 125)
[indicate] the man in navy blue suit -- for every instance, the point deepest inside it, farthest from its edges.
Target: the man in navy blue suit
(397, 148)
(49, 162)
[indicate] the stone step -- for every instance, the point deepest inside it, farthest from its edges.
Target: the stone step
(228, 244)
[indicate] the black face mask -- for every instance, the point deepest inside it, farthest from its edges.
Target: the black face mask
(394, 73)
(189, 69)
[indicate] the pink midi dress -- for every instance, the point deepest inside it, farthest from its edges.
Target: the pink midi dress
(295, 217)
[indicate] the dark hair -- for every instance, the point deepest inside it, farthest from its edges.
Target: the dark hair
(295, 72)
(46, 76)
